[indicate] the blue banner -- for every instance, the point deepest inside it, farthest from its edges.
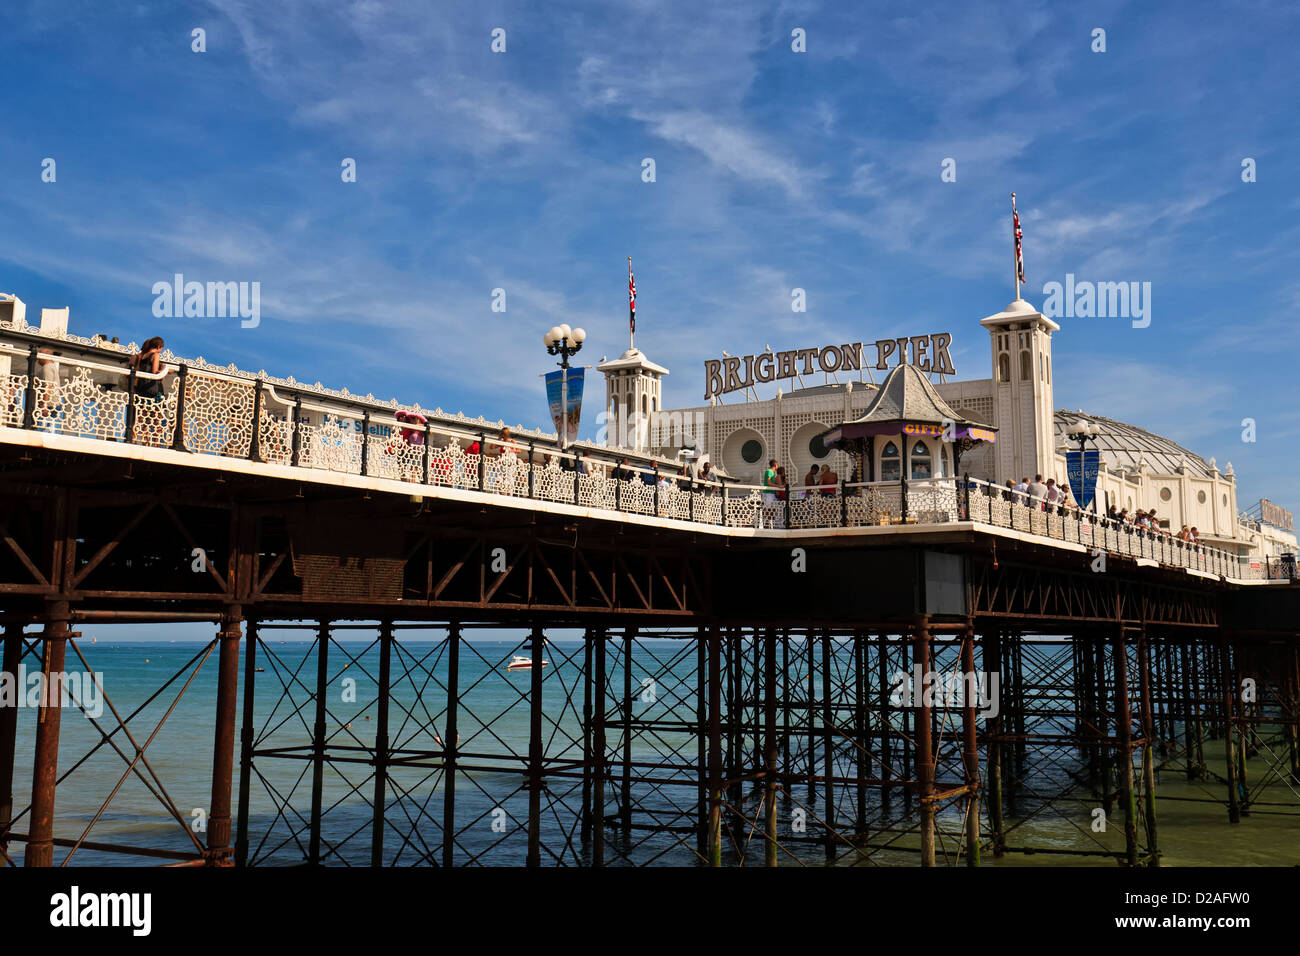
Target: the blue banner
(1082, 469)
(573, 406)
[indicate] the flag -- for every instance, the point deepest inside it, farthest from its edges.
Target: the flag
(631, 297)
(1020, 257)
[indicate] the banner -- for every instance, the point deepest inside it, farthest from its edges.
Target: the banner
(1083, 475)
(573, 410)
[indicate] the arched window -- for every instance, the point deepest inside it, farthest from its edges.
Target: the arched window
(891, 465)
(1004, 367)
(921, 461)
(1026, 366)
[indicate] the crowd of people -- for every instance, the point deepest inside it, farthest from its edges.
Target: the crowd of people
(1050, 496)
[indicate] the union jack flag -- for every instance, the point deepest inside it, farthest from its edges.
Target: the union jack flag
(1020, 258)
(631, 297)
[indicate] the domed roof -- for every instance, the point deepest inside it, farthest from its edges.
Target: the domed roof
(1124, 446)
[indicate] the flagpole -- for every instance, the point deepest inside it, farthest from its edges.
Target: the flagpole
(631, 325)
(1015, 256)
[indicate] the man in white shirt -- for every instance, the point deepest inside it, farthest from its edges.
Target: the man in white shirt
(1022, 489)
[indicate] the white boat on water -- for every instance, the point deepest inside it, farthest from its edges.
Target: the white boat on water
(520, 663)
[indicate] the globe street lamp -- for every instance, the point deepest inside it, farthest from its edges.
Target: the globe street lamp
(564, 342)
(1084, 431)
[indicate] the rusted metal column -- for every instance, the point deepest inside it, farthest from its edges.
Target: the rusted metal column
(715, 747)
(924, 752)
(810, 715)
(223, 748)
(380, 799)
(702, 738)
(970, 746)
(828, 745)
(770, 781)
(13, 646)
(45, 769)
(1102, 715)
(993, 664)
(1124, 723)
(586, 734)
(625, 708)
(246, 739)
(862, 759)
(598, 754)
(886, 745)
(1190, 705)
(318, 741)
(785, 711)
(535, 744)
(1228, 695)
(450, 744)
(1148, 761)
(1290, 713)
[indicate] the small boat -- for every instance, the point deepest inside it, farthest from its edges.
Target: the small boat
(520, 663)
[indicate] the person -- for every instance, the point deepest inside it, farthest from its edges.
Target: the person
(828, 480)
(413, 437)
(1184, 533)
(812, 479)
(1067, 502)
(769, 493)
(1195, 536)
(149, 359)
(1037, 492)
(684, 478)
(1022, 491)
(782, 486)
(706, 475)
(1052, 495)
(1010, 494)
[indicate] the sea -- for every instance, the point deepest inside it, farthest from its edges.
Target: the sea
(150, 785)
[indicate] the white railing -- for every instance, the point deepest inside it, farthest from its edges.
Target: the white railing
(206, 411)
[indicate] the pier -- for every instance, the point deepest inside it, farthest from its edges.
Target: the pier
(711, 673)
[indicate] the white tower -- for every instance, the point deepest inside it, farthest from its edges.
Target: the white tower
(633, 394)
(1021, 339)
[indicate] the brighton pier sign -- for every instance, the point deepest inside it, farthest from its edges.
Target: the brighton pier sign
(929, 353)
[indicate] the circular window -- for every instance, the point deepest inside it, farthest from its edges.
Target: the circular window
(1165, 494)
(816, 448)
(751, 451)
(1200, 497)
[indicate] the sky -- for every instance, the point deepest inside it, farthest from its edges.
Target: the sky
(775, 170)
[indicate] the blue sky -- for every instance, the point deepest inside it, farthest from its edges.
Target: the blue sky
(775, 170)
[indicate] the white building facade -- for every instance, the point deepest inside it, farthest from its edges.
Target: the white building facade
(1138, 469)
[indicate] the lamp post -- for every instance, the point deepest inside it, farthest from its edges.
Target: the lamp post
(1084, 431)
(564, 342)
